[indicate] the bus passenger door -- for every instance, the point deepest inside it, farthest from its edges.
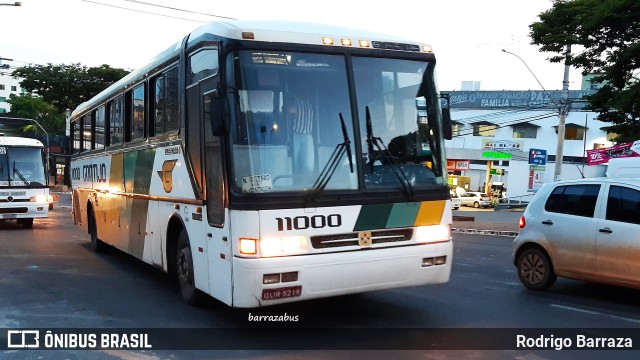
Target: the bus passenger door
(219, 247)
(205, 153)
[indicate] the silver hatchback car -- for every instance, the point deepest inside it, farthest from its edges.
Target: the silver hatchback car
(475, 199)
(585, 229)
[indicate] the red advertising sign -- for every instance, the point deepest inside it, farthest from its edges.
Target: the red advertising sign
(458, 164)
(602, 156)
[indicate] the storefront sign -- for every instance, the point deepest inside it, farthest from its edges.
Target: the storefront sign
(502, 145)
(536, 177)
(496, 155)
(458, 164)
(537, 157)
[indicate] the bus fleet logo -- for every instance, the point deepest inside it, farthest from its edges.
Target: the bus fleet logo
(166, 175)
(23, 339)
(90, 173)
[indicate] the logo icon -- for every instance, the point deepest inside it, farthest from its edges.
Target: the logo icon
(23, 339)
(166, 175)
(364, 238)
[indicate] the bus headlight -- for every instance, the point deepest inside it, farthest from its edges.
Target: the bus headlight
(283, 245)
(40, 199)
(433, 233)
(248, 246)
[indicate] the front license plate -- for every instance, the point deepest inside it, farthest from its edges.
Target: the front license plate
(8, 216)
(281, 293)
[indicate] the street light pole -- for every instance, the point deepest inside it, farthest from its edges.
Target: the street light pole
(17, 3)
(531, 71)
(564, 110)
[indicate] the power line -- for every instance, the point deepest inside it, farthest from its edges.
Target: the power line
(142, 11)
(177, 9)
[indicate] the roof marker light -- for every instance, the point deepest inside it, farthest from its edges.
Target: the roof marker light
(248, 35)
(364, 43)
(427, 48)
(327, 41)
(346, 42)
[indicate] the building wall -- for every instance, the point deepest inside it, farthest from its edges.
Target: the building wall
(11, 86)
(466, 146)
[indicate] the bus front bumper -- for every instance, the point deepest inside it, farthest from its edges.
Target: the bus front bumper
(23, 210)
(333, 274)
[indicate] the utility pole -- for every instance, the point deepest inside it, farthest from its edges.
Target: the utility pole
(564, 110)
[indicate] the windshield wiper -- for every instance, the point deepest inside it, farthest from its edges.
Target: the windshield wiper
(333, 162)
(376, 142)
(16, 171)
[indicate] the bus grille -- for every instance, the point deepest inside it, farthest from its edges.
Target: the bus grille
(14, 210)
(351, 239)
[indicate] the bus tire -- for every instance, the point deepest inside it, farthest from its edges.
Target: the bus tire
(184, 269)
(27, 223)
(96, 244)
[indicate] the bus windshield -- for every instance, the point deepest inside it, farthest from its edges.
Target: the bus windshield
(286, 123)
(21, 166)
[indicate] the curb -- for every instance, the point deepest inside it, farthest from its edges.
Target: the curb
(485, 232)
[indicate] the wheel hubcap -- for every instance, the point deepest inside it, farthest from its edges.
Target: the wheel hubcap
(183, 267)
(533, 269)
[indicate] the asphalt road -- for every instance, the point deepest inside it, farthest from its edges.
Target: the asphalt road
(49, 278)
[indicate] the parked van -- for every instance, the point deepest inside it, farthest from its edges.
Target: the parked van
(624, 168)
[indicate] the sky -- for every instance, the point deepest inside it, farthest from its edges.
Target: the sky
(467, 35)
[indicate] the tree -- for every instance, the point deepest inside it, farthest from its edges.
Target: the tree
(34, 107)
(609, 33)
(67, 86)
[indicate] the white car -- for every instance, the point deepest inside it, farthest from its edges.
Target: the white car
(475, 199)
(455, 201)
(586, 229)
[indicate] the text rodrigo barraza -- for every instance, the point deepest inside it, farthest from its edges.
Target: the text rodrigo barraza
(580, 341)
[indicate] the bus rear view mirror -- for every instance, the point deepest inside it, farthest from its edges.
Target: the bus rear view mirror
(217, 114)
(446, 124)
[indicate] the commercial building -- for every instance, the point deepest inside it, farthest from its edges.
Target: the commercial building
(494, 132)
(8, 85)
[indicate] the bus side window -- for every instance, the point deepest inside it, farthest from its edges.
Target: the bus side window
(76, 137)
(99, 139)
(137, 113)
(171, 113)
(165, 102)
(115, 123)
(202, 64)
(127, 116)
(86, 132)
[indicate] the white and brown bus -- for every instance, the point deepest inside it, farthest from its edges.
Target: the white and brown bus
(270, 162)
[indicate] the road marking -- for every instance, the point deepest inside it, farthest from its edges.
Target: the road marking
(595, 313)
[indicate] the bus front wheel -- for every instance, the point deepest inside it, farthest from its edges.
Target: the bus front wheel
(184, 269)
(28, 223)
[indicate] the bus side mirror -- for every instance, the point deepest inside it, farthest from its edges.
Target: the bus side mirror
(217, 113)
(446, 124)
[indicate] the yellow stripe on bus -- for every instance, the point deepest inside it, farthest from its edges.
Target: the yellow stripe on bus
(430, 213)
